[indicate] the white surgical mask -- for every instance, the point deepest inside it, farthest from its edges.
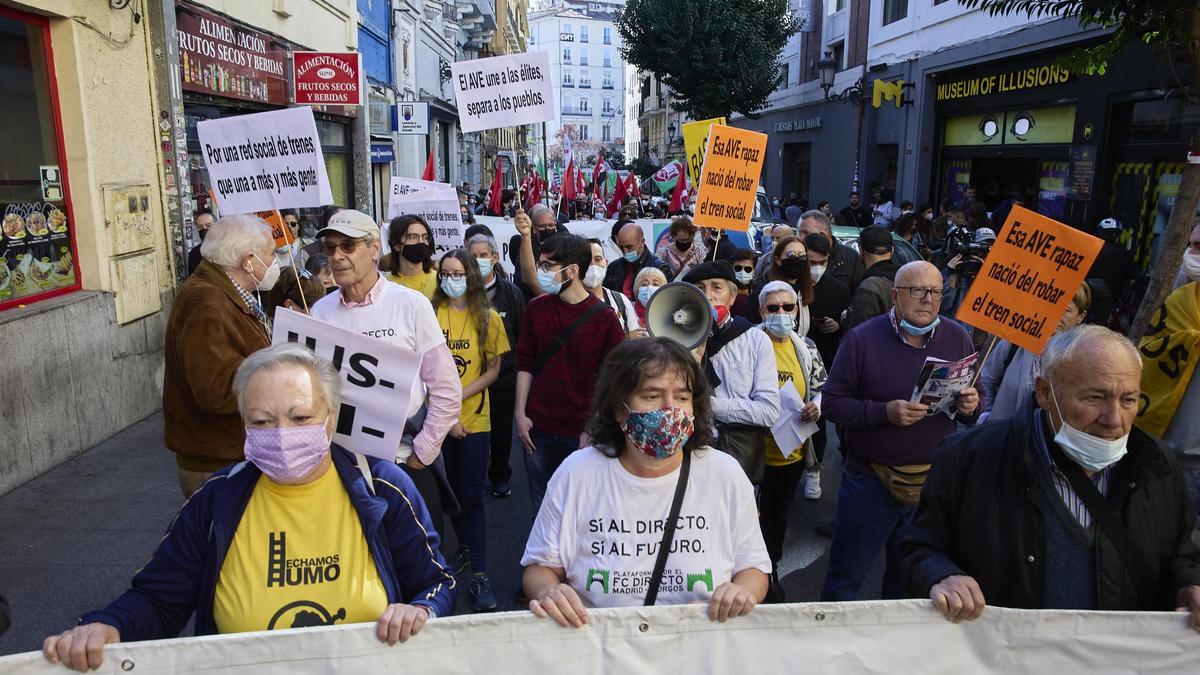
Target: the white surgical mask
(594, 276)
(744, 278)
(817, 271)
(485, 266)
(1191, 265)
(272, 275)
(1091, 452)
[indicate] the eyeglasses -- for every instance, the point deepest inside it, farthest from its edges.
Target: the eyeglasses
(546, 265)
(788, 307)
(414, 238)
(346, 245)
(921, 293)
(740, 268)
(457, 276)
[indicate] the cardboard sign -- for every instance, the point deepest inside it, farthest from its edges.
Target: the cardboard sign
(377, 380)
(283, 235)
(265, 161)
(503, 91)
(327, 78)
(695, 142)
(437, 203)
(1028, 279)
(728, 182)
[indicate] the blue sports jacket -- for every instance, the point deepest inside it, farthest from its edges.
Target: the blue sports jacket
(181, 577)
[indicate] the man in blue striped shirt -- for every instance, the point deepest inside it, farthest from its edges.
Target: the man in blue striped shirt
(1067, 506)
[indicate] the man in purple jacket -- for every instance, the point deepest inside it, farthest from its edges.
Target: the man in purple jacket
(889, 442)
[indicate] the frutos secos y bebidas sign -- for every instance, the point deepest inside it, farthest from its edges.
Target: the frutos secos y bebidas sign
(1006, 82)
(327, 78)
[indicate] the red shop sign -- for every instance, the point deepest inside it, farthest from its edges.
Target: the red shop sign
(327, 78)
(222, 57)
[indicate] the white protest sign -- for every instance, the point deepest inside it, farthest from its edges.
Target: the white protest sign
(264, 161)
(437, 203)
(503, 91)
(377, 380)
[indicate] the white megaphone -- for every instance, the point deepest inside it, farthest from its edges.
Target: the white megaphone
(679, 311)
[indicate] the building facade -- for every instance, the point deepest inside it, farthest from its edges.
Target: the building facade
(586, 65)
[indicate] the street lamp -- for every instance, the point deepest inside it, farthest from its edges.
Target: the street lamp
(671, 132)
(827, 68)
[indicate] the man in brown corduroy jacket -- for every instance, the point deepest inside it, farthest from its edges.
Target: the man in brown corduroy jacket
(216, 322)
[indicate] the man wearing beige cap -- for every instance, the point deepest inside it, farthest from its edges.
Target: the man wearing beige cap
(368, 303)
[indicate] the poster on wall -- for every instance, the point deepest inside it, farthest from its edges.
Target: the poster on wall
(35, 250)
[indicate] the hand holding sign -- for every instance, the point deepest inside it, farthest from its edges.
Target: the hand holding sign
(1028, 279)
(729, 179)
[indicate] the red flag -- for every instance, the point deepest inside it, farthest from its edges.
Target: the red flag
(535, 191)
(568, 183)
(596, 175)
(496, 200)
(636, 185)
(619, 194)
(680, 192)
(428, 174)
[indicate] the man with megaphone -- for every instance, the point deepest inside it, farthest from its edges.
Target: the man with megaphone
(738, 361)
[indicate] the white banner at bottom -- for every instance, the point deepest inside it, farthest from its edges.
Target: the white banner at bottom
(854, 638)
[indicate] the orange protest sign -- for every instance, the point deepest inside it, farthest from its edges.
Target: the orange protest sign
(1028, 279)
(283, 236)
(733, 162)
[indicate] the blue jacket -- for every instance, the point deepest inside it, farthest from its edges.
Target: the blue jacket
(181, 577)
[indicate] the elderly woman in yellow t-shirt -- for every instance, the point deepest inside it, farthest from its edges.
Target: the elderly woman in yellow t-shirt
(800, 366)
(303, 533)
(475, 333)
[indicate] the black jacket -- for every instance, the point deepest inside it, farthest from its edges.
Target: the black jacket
(831, 297)
(977, 517)
(614, 279)
(860, 217)
(846, 265)
(5, 615)
(873, 295)
(509, 301)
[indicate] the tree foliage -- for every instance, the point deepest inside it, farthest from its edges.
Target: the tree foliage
(642, 166)
(1172, 28)
(719, 56)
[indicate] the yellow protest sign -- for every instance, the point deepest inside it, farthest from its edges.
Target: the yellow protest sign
(1028, 279)
(728, 181)
(695, 140)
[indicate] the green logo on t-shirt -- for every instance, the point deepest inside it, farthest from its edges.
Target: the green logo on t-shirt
(706, 579)
(595, 576)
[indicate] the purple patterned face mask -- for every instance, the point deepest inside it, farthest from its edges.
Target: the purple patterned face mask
(287, 454)
(659, 433)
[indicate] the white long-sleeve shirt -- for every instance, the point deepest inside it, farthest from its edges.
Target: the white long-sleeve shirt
(749, 389)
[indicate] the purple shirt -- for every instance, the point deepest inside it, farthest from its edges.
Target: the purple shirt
(874, 366)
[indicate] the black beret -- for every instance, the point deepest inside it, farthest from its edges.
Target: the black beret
(719, 269)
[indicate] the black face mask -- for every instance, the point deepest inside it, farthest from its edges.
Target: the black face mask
(203, 233)
(683, 245)
(793, 268)
(416, 253)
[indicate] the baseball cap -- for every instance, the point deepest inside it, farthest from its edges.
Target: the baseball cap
(984, 234)
(351, 223)
(876, 240)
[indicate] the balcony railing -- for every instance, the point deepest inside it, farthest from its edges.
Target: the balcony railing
(583, 61)
(585, 84)
(608, 63)
(607, 85)
(608, 113)
(568, 83)
(576, 110)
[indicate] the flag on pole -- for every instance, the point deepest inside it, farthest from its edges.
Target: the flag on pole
(496, 200)
(679, 194)
(428, 174)
(600, 168)
(619, 194)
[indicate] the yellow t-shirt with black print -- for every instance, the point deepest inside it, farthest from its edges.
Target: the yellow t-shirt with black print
(424, 283)
(788, 363)
(298, 559)
(463, 339)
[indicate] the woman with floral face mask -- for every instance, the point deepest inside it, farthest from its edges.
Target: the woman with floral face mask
(476, 337)
(607, 512)
(304, 533)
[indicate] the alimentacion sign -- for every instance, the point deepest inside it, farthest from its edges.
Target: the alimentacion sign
(327, 78)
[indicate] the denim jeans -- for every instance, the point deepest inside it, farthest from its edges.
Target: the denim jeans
(549, 451)
(868, 518)
(466, 467)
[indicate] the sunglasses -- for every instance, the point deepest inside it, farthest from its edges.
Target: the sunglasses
(740, 268)
(787, 307)
(347, 246)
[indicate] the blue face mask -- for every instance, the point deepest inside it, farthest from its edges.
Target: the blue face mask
(547, 282)
(920, 330)
(644, 294)
(485, 266)
(632, 256)
(454, 288)
(779, 325)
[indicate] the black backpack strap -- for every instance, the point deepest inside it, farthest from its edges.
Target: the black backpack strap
(561, 340)
(664, 547)
(1103, 515)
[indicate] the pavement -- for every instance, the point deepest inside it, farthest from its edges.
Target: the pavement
(71, 539)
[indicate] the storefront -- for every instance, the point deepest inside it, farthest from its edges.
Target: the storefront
(228, 68)
(37, 237)
(1077, 148)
